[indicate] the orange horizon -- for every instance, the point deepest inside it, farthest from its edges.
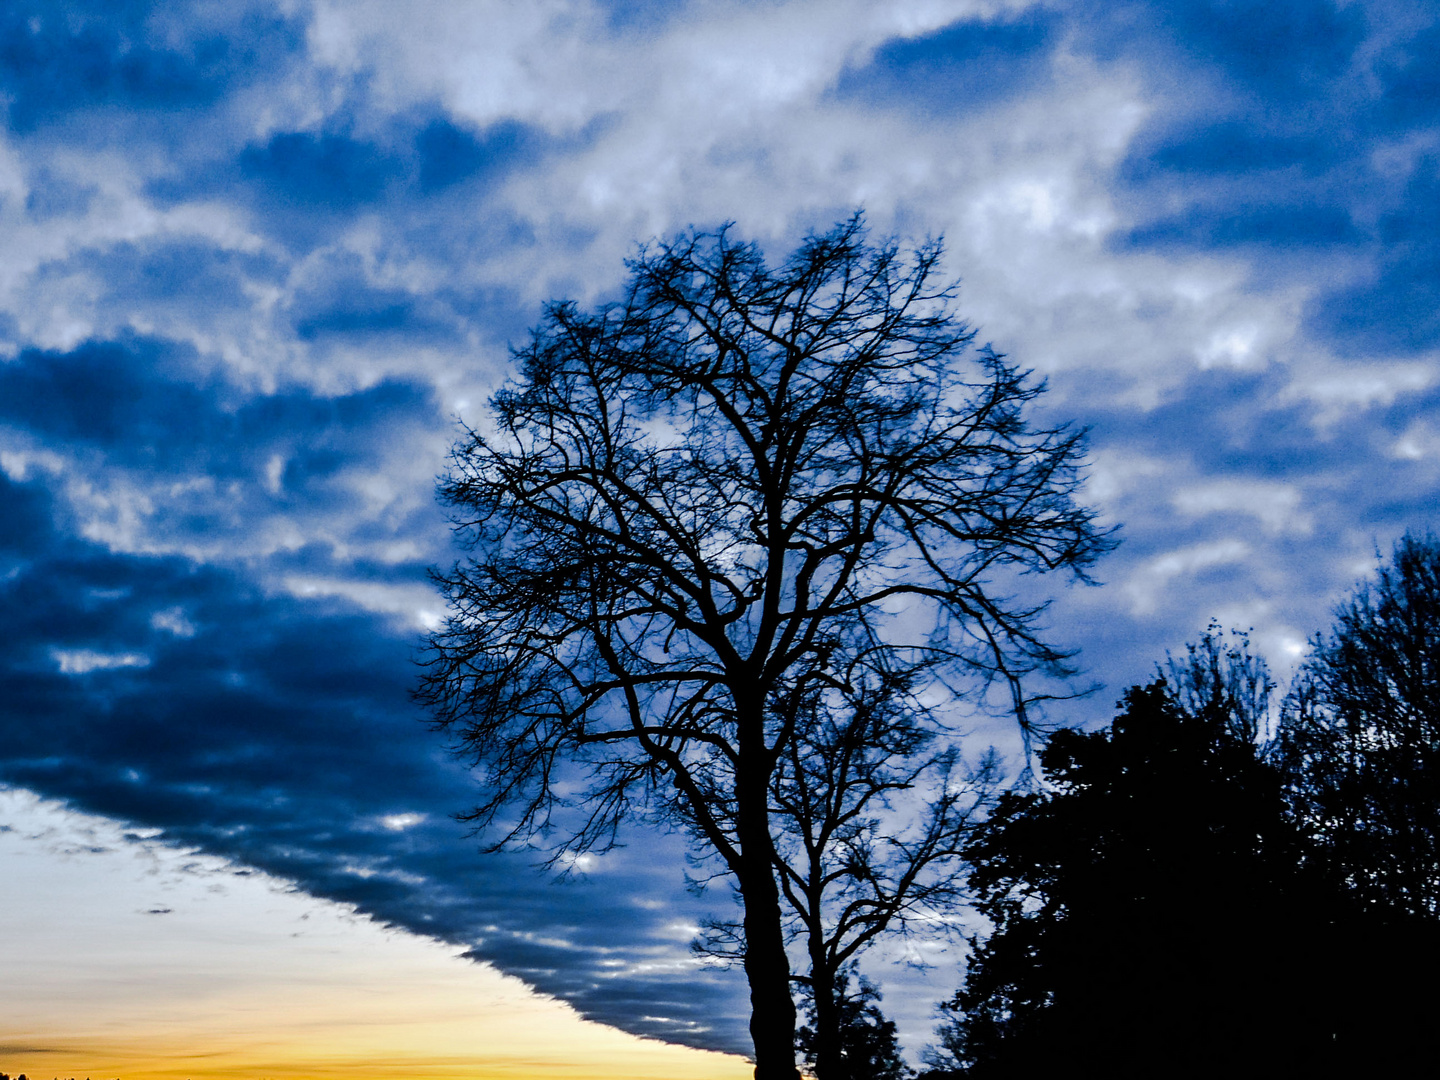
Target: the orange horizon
(139, 961)
(73, 1059)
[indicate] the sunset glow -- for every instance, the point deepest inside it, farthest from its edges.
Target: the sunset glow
(145, 962)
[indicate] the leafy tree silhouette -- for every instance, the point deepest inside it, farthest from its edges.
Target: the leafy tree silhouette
(749, 520)
(1160, 913)
(1127, 903)
(1360, 737)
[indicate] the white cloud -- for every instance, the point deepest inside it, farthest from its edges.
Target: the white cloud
(1417, 442)
(1113, 475)
(419, 605)
(1275, 505)
(1146, 585)
(401, 822)
(1338, 389)
(175, 621)
(84, 661)
(582, 862)
(18, 465)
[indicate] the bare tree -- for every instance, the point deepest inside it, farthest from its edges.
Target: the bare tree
(1222, 679)
(704, 517)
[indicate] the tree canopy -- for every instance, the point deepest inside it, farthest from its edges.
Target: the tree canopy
(1188, 898)
(740, 546)
(1135, 906)
(1360, 736)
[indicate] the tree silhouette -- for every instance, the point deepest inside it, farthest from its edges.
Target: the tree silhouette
(867, 1048)
(1360, 736)
(745, 519)
(1160, 912)
(850, 866)
(1145, 911)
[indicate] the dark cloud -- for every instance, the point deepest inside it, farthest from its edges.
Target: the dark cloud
(642, 15)
(1237, 183)
(1231, 226)
(342, 302)
(1410, 79)
(146, 403)
(280, 733)
(1279, 49)
(1285, 147)
(175, 276)
(1231, 148)
(448, 154)
(99, 393)
(53, 195)
(320, 169)
(958, 68)
(304, 187)
(1399, 308)
(25, 524)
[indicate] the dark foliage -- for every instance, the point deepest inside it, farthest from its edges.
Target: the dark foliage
(1136, 907)
(1159, 912)
(1360, 737)
(693, 518)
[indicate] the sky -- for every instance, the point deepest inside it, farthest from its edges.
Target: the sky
(260, 258)
(289, 987)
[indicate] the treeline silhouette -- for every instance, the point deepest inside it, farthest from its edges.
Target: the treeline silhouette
(1189, 894)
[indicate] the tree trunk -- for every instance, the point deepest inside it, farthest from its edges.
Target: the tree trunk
(767, 966)
(828, 1063)
(772, 1009)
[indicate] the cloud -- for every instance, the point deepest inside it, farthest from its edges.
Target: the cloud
(1292, 145)
(277, 736)
(326, 171)
(1276, 506)
(174, 620)
(84, 661)
(1338, 390)
(1145, 586)
(418, 604)
(154, 453)
(401, 822)
(967, 64)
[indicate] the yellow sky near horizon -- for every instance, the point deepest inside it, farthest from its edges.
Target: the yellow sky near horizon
(129, 959)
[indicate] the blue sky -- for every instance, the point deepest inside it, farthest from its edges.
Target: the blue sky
(260, 257)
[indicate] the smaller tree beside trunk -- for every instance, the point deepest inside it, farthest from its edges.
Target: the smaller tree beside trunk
(864, 1045)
